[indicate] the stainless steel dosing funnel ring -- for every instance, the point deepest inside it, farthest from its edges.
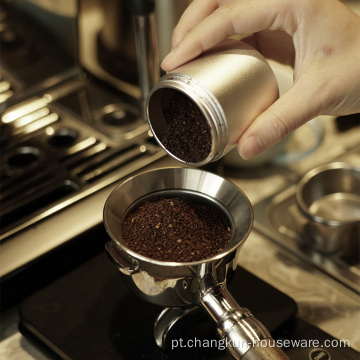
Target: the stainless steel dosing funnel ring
(203, 185)
(201, 283)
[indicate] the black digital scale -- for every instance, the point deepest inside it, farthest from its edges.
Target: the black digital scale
(90, 314)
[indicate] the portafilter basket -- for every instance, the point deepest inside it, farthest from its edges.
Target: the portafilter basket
(178, 285)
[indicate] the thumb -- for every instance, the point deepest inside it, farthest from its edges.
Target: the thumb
(289, 112)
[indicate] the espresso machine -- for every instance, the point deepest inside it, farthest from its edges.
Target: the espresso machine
(79, 113)
(74, 75)
(129, 46)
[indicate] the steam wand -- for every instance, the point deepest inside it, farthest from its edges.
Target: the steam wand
(145, 46)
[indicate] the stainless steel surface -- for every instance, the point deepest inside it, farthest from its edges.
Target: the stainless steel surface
(167, 15)
(5, 90)
(26, 61)
(324, 182)
(53, 159)
(193, 283)
(109, 34)
(278, 218)
(229, 86)
(328, 199)
(147, 57)
(116, 35)
(143, 13)
(242, 332)
(57, 166)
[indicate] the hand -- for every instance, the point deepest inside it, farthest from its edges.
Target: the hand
(319, 38)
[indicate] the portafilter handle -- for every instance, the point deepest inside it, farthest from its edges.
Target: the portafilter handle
(246, 337)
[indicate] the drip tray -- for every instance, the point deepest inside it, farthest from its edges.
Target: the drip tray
(62, 153)
(274, 219)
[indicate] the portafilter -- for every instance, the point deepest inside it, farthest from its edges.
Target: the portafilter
(187, 284)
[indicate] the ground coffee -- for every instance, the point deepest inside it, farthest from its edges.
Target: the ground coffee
(176, 229)
(188, 135)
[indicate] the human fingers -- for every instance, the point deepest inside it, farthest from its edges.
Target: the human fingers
(325, 88)
(290, 111)
(273, 44)
(326, 79)
(232, 17)
(194, 13)
(195, 37)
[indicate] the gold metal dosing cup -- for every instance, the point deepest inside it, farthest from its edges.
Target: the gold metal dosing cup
(230, 86)
(199, 283)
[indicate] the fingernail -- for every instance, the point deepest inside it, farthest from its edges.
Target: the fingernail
(167, 58)
(251, 147)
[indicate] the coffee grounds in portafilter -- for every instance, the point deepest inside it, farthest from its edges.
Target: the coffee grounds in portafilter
(176, 230)
(188, 135)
